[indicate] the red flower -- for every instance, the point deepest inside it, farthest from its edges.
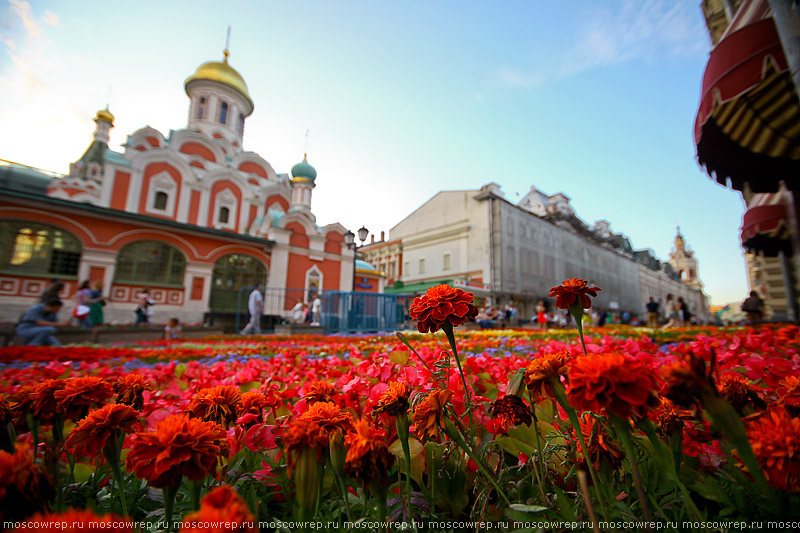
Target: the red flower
(509, 411)
(440, 304)
(25, 487)
(789, 391)
(545, 367)
(320, 391)
(80, 393)
(428, 414)
(101, 424)
(368, 457)
(130, 390)
(610, 382)
(75, 521)
(734, 388)
(775, 439)
(395, 400)
(573, 291)
(329, 417)
(219, 404)
(179, 446)
(221, 511)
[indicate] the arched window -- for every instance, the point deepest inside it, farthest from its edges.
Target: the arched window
(224, 213)
(240, 125)
(160, 200)
(35, 248)
(150, 263)
(223, 113)
(233, 273)
(201, 107)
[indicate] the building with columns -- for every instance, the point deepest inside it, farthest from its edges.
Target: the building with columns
(191, 215)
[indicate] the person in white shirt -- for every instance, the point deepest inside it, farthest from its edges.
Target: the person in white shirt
(255, 305)
(297, 312)
(316, 309)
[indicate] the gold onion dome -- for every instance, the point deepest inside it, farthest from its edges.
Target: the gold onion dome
(221, 72)
(105, 115)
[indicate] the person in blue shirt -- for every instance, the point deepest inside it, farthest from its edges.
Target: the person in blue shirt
(38, 325)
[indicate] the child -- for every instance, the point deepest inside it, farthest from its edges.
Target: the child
(143, 310)
(173, 329)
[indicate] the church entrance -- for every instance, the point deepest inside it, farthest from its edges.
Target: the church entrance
(231, 273)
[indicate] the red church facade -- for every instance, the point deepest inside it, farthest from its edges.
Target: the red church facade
(192, 216)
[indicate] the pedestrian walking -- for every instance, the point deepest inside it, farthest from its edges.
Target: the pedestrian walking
(255, 307)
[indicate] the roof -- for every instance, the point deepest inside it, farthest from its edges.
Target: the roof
(17, 177)
(106, 212)
(221, 72)
(117, 158)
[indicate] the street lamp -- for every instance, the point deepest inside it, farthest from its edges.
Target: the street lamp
(350, 241)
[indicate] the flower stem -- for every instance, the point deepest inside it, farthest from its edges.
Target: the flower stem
(447, 327)
(539, 465)
(169, 503)
(401, 421)
(561, 397)
(453, 433)
(624, 434)
(112, 450)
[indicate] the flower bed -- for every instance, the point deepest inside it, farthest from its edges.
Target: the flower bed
(671, 427)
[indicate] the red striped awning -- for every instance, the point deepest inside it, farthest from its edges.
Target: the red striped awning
(747, 129)
(765, 226)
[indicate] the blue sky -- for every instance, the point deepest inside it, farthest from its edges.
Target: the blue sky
(403, 99)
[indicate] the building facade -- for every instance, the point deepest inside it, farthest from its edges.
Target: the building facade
(505, 252)
(191, 215)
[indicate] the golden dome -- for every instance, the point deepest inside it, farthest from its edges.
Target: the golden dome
(105, 115)
(221, 72)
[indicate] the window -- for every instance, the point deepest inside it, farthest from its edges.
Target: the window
(232, 273)
(35, 248)
(392, 269)
(150, 263)
(240, 125)
(201, 107)
(421, 265)
(160, 201)
(406, 267)
(224, 213)
(446, 261)
(223, 113)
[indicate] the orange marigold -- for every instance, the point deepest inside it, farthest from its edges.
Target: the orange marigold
(102, 424)
(572, 291)
(25, 487)
(601, 448)
(218, 404)
(789, 391)
(221, 511)
(428, 414)
(368, 457)
(329, 417)
(734, 388)
(179, 446)
(130, 390)
(81, 393)
(610, 382)
(509, 411)
(320, 391)
(75, 521)
(395, 400)
(39, 400)
(440, 304)
(775, 439)
(254, 402)
(686, 382)
(669, 417)
(546, 366)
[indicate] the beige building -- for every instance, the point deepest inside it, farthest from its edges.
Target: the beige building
(506, 252)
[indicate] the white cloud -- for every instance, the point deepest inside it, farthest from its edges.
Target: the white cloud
(636, 31)
(51, 19)
(23, 10)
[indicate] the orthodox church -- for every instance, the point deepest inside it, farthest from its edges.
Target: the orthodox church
(191, 215)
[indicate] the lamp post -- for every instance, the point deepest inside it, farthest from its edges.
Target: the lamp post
(349, 240)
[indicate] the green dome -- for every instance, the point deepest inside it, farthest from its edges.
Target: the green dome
(303, 170)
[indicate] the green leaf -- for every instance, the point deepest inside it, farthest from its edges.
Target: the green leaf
(527, 508)
(246, 387)
(399, 357)
(179, 370)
